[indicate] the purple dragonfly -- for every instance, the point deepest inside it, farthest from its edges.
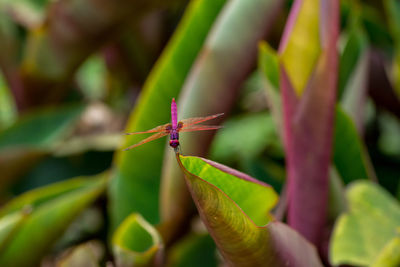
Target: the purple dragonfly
(174, 128)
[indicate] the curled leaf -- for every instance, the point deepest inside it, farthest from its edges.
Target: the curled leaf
(136, 243)
(235, 209)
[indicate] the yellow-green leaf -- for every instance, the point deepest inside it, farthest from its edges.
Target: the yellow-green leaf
(368, 226)
(136, 243)
(235, 209)
(300, 45)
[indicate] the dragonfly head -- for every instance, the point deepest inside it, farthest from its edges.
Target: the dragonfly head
(174, 143)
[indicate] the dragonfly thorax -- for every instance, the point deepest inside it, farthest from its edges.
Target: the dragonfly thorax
(174, 139)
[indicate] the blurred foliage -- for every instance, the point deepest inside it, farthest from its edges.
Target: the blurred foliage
(195, 250)
(75, 75)
(369, 225)
(136, 243)
(8, 112)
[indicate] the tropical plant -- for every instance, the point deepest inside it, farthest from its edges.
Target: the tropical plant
(310, 90)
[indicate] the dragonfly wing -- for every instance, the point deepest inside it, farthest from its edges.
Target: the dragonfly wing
(162, 128)
(191, 121)
(148, 139)
(200, 128)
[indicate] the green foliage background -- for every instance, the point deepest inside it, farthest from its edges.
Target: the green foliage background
(76, 75)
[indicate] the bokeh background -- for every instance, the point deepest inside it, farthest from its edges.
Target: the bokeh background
(77, 74)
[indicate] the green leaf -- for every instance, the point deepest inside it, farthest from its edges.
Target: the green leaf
(349, 155)
(10, 45)
(389, 142)
(137, 174)
(136, 243)
(211, 88)
(8, 225)
(36, 197)
(33, 136)
(257, 132)
(268, 65)
(91, 77)
(46, 222)
(40, 129)
(389, 255)
(195, 250)
(254, 198)
(368, 226)
(336, 199)
(353, 74)
(301, 45)
(81, 144)
(235, 209)
(392, 8)
(8, 112)
(354, 47)
(376, 27)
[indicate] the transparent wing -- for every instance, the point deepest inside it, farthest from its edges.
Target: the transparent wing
(148, 139)
(200, 128)
(191, 121)
(162, 128)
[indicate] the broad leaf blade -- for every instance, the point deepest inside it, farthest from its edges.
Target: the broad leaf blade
(8, 225)
(195, 250)
(371, 222)
(268, 65)
(47, 222)
(136, 243)
(212, 87)
(33, 136)
(40, 129)
(8, 112)
(136, 182)
(389, 256)
(350, 155)
(34, 198)
(255, 198)
(238, 238)
(353, 79)
(259, 130)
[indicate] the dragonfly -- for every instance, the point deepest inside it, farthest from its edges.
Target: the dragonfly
(174, 128)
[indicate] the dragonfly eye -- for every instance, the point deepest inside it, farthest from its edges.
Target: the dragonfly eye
(174, 143)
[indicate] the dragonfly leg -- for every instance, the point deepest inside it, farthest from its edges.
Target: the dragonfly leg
(177, 149)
